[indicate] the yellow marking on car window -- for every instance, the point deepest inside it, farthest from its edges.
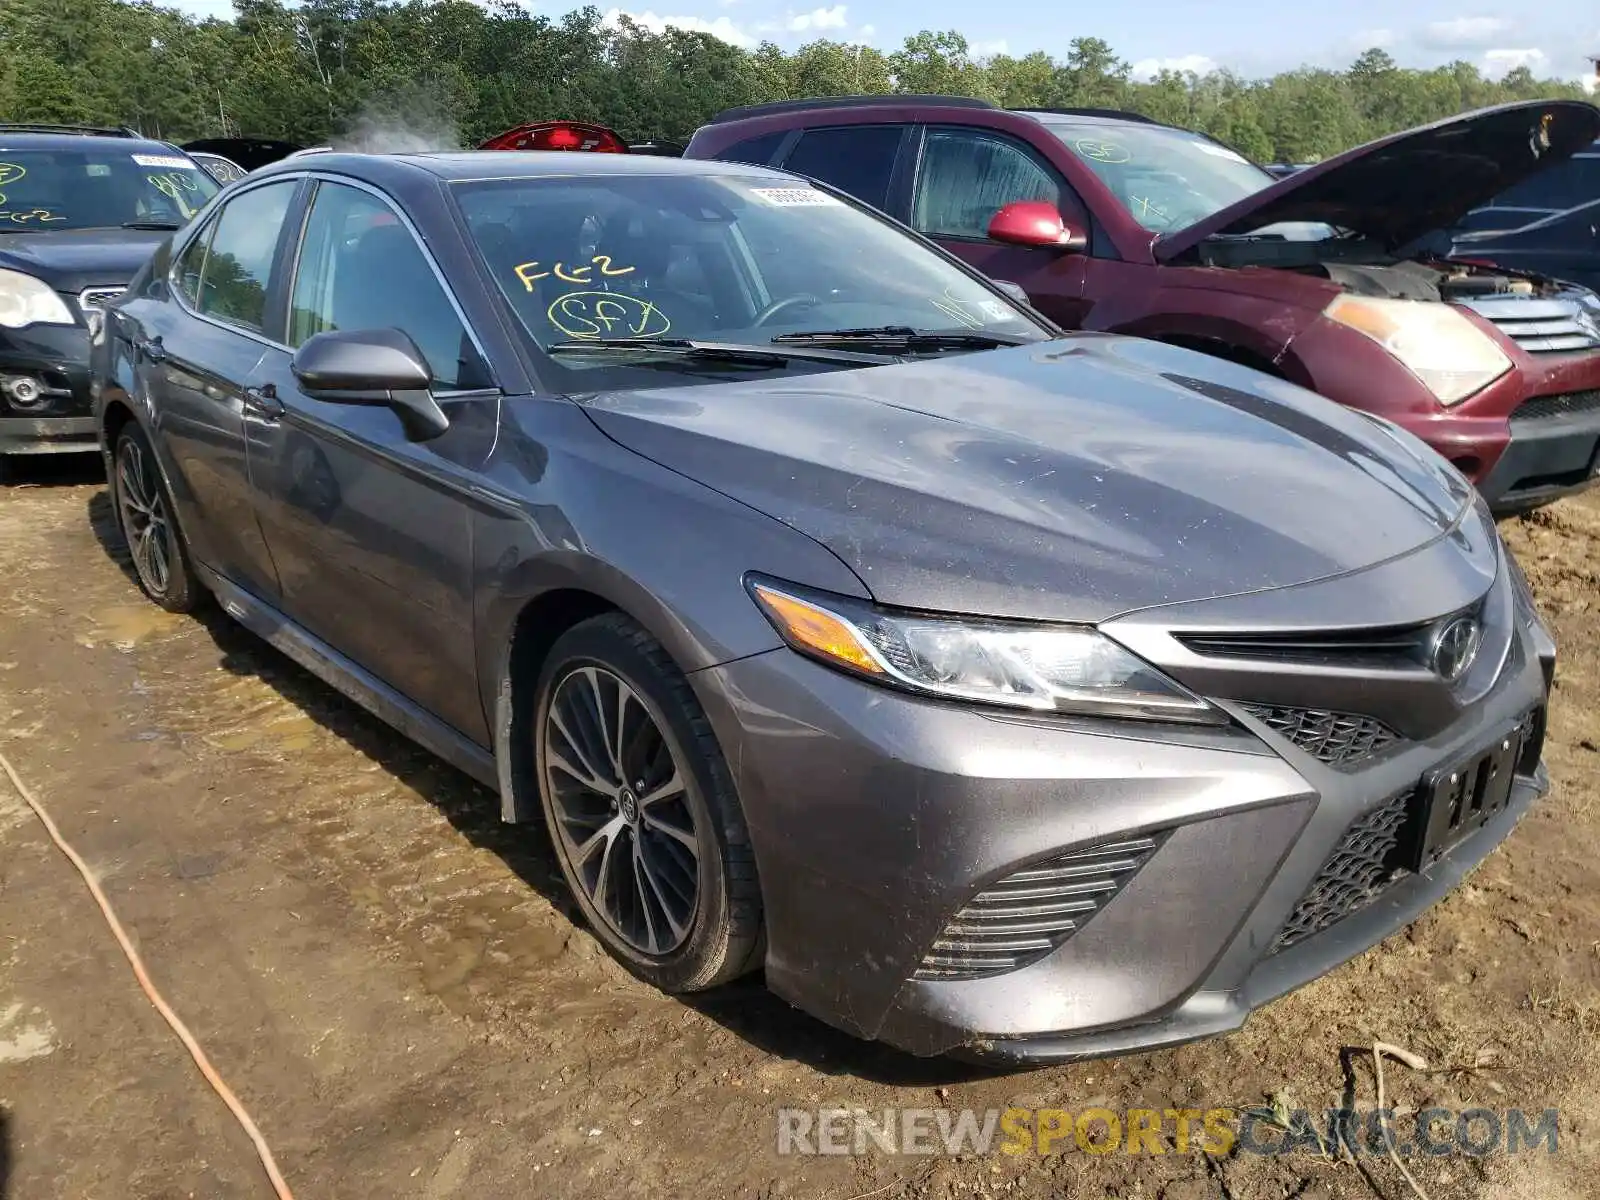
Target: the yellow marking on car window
(593, 315)
(39, 216)
(1106, 152)
(528, 274)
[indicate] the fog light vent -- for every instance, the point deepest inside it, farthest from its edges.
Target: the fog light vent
(1023, 917)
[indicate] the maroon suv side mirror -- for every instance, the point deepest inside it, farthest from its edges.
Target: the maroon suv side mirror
(1036, 223)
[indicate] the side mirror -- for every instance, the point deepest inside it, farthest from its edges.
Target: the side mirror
(1015, 290)
(1036, 223)
(372, 366)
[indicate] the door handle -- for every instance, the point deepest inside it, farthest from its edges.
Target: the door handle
(151, 349)
(263, 402)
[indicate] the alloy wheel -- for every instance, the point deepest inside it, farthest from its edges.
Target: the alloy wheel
(145, 522)
(618, 792)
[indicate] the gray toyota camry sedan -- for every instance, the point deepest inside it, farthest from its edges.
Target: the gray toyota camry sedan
(997, 692)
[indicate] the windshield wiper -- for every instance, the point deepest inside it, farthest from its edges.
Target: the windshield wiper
(732, 353)
(902, 338)
(151, 225)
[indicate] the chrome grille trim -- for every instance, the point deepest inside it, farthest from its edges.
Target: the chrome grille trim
(1021, 918)
(1540, 326)
(1339, 739)
(92, 302)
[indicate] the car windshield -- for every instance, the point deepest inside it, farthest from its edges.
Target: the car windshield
(723, 259)
(1171, 178)
(89, 187)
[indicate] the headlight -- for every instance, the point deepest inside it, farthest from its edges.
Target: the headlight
(1047, 668)
(25, 300)
(1440, 346)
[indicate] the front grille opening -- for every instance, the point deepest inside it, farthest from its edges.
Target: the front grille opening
(1021, 918)
(1375, 851)
(1568, 404)
(1393, 648)
(1338, 739)
(1366, 861)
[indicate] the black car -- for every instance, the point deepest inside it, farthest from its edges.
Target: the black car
(81, 210)
(1549, 224)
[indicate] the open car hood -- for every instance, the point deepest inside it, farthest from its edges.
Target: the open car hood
(249, 153)
(1401, 187)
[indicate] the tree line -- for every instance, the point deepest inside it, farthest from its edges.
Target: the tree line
(452, 71)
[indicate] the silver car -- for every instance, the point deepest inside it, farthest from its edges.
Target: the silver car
(1000, 692)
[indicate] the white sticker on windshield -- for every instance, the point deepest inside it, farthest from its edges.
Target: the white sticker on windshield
(162, 160)
(793, 197)
(996, 311)
(1219, 151)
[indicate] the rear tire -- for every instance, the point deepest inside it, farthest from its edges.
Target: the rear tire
(642, 811)
(148, 523)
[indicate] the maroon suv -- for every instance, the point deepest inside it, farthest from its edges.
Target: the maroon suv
(1328, 278)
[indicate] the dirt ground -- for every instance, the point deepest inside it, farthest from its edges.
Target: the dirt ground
(394, 984)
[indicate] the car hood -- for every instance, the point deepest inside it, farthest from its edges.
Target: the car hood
(1401, 187)
(250, 153)
(78, 258)
(1071, 480)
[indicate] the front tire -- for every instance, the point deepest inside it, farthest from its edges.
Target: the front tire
(149, 525)
(641, 809)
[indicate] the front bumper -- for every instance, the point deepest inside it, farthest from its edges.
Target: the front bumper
(55, 360)
(1554, 451)
(48, 435)
(876, 817)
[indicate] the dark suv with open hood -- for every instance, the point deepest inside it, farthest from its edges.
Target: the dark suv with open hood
(80, 211)
(1113, 222)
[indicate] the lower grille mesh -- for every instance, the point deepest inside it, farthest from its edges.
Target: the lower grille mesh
(1362, 864)
(1339, 739)
(1568, 404)
(1021, 918)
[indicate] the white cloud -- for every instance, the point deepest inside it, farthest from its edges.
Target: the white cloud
(1369, 38)
(1149, 68)
(1498, 62)
(819, 18)
(1465, 31)
(720, 27)
(865, 32)
(988, 49)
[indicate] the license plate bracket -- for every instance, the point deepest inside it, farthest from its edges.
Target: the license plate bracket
(1459, 799)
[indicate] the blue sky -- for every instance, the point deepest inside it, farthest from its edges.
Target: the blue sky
(1254, 37)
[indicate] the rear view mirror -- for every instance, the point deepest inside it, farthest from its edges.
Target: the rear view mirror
(372, 366)
(1036, 223)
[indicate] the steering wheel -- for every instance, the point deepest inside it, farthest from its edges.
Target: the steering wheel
(803, 300)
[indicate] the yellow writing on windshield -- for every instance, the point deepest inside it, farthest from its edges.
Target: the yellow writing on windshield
(528, 273)
(9, 173)
(176, 185)
(39, 216)
(1106, 152)
(590, 315)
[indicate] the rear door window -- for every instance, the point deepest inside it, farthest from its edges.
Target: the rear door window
(858, 159)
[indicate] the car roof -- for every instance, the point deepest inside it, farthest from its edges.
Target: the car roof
(459, 166)
(35, 138)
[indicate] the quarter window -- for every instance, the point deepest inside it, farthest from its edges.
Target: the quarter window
(187, 272)
(858, 159)
(967, 176)
(238, 268)
(360, 268)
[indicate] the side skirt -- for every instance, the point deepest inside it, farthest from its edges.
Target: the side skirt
(352, 680)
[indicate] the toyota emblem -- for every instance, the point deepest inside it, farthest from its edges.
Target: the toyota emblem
(1454, 647)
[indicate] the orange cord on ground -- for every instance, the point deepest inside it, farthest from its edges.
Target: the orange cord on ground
(161, 1006)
